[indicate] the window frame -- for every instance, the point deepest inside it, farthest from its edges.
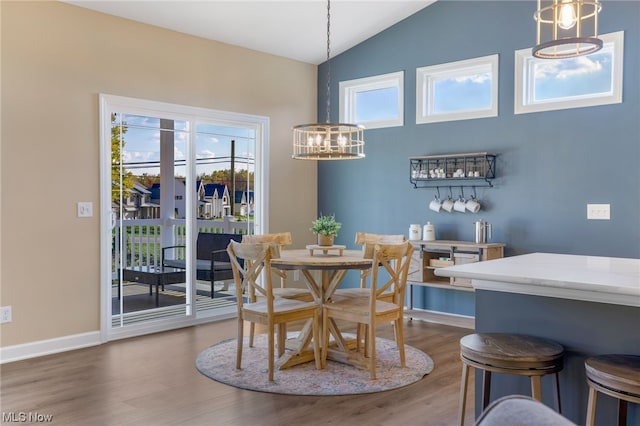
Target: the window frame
(425, 90)
(349, 89)
(524, 76)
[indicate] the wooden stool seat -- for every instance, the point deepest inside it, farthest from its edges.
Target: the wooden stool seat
(615, 375)
(509, 354)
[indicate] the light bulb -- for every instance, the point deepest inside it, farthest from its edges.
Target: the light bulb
(567, 15)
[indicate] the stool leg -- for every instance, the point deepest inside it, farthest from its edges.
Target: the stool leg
(463, 391)
(591, 407)
(486, 388)
(622, 412)
(536, 388)
(558, 393)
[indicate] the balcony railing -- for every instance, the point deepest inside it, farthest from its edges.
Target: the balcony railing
(140, 241)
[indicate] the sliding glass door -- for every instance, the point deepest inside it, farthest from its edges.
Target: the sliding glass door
(169, 174)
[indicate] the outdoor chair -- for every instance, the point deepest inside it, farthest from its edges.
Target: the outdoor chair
(212, 260)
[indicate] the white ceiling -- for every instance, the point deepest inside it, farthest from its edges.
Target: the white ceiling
(293, 29)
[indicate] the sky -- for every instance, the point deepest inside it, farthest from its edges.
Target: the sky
(141, 152)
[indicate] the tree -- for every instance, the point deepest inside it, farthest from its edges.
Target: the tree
(127, 180)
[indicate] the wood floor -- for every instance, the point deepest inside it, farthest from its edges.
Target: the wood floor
(152, 380)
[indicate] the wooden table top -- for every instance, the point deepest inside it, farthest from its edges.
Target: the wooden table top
(301, 259)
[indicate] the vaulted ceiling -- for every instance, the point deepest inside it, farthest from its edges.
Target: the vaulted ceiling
(292, 29)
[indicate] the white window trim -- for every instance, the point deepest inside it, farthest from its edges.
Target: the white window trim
(350, 88)
(426, 77)
(523, 80)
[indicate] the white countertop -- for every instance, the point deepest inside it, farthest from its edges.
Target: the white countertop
(591, 278)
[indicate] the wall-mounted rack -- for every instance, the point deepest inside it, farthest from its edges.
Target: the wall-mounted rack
(476, 169)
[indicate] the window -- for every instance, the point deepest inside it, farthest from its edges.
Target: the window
(174, 156)
(375, 102)
(552, 84)
(459, 90)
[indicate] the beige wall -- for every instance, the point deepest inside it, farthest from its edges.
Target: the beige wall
(56, 59)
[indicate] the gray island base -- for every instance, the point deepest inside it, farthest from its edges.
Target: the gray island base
(590, 305)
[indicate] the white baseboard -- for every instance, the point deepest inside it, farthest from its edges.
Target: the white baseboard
(50, 346)
(455, 320)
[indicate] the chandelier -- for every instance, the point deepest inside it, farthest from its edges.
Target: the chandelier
(328, 141)
(566, 28)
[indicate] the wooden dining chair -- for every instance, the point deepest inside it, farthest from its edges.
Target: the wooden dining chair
(280, 239)
(248, 262)
(368, 241)
(394, 260)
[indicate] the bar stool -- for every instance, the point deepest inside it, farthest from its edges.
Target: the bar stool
(614, 375)
(510, 354)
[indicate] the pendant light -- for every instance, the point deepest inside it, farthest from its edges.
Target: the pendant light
(566, 28)
(328, 141)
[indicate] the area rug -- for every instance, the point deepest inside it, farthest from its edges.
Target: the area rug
(218, 363)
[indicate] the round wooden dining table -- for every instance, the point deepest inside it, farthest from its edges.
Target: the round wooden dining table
(332, 267)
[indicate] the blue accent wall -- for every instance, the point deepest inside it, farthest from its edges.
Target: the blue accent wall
(549, 166)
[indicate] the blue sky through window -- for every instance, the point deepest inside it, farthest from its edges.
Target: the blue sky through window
(471, 92)
(374, 105)
(565, 78)
(141, 153)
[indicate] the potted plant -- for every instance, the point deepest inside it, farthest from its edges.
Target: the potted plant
(326, 227)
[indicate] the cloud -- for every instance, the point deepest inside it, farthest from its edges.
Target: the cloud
(566, 68)
(479, 78)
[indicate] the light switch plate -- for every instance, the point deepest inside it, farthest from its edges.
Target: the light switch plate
(85, 209)
(599, 211)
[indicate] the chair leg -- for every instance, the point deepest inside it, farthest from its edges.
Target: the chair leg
(591, 407)
(282, 338)
(252, 331)
(371, 336)
(622, 412)
(464, 383)
(486, 388)
(536, 388)
(400, 340)
(240, 338)
(271, 351)
(558, 392)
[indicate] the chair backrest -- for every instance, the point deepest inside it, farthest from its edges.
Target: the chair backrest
(367, 241)
(248, 261)
(208, 242)
(394, 259)
(280, 239)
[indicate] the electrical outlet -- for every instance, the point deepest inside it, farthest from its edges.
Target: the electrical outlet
(5, 314)
(599, 211)
(85, 209)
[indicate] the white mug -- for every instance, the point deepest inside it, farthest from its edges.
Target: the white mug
(435, 205)
(460, 205)
(447, 205)
(473, 205)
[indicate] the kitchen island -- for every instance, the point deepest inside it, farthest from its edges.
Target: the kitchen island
(588, 304)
